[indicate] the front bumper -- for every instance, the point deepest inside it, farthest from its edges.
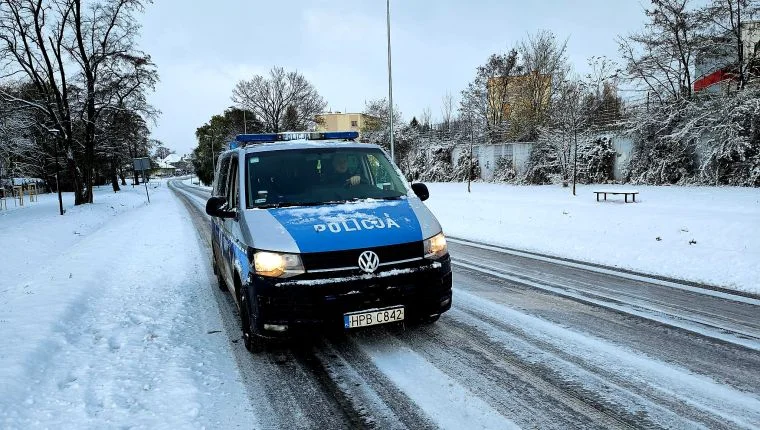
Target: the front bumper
(319, 300)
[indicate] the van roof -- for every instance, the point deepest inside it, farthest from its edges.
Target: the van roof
(294, 145)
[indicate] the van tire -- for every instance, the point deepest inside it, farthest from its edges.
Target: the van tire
(251, 339)
(220, 282)
(430, 319)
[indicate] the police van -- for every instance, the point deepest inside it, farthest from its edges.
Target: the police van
(318, 230)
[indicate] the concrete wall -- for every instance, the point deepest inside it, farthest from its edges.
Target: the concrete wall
(520, 152)
(489, 154)
(623, 146)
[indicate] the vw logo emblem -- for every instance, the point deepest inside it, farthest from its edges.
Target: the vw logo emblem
(368, 261)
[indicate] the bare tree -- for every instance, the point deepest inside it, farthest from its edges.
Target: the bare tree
(660, 58)
(724, 24)
(104, 46)
(487, 98)
(33, 45)
(79, 62)
(447, 111)
(544, 61)
(270, 97)
(426, 118)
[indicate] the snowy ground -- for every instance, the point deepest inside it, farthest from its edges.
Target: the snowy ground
(193, 180)
(110, 318)
(652, 235)
(107, 319)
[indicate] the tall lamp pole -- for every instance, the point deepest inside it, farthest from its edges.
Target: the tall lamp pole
(390, 79)
(57, 170)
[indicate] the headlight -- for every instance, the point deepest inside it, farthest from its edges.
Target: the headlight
(277, 265)
(436, 247)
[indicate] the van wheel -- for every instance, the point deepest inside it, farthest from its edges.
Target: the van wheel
(251, 339)
(430, 319)
(220, 281)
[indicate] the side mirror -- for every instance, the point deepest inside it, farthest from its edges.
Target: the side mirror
(214, 207)
(421, 190)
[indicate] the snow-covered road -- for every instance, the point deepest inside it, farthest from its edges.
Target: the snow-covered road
(110, 317)
(601, 350)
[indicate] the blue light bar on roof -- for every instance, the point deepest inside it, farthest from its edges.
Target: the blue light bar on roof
(340, 135)
(276, 137)
(246, 138)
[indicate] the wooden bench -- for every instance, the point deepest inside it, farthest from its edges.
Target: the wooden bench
(32, 191)
(632, 193)
(18, 194)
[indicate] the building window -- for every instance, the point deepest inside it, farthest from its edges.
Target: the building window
(354, 123)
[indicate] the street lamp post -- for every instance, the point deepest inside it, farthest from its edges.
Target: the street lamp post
(57, 171)
(390, 79)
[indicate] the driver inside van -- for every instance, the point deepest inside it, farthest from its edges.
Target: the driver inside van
(340, 173)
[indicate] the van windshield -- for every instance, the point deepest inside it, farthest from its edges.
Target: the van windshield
(320, 175)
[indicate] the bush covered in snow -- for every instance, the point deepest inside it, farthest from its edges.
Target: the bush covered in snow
(463, 165)
(596, 161)
(711, 139)
(504, 170)
(438, 167)
(543, 166)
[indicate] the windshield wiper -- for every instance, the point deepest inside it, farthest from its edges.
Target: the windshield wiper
(287, 205)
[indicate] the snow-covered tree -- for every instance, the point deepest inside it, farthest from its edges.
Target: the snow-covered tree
(596, 160)
(504, 170)
(464, 165)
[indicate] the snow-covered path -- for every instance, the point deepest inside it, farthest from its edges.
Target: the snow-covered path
(107, 320)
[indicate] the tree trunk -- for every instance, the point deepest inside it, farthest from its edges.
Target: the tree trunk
(114, 177)
(76, 178)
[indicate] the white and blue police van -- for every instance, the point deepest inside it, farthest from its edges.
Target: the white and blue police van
(316, 230)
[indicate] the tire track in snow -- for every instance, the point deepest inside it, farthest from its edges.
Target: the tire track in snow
(526, 394)
(703, 312)
(614, 375)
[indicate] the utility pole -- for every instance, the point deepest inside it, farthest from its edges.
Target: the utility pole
(469, 171)
(390, 79)
(575, 157)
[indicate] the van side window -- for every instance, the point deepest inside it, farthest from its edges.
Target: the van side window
(220, 184)
(232, 189)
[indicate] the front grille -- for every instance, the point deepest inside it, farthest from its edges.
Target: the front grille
(350, 258)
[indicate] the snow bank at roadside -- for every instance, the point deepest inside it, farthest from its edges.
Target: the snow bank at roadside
(195, 183)
(108, 319)
(704, 234)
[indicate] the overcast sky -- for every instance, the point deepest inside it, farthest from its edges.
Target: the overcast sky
(203, 48)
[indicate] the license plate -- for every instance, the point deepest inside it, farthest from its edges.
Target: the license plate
(373, 317)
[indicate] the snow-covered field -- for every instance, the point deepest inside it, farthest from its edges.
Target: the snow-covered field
(704, 234)
(107, 319)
